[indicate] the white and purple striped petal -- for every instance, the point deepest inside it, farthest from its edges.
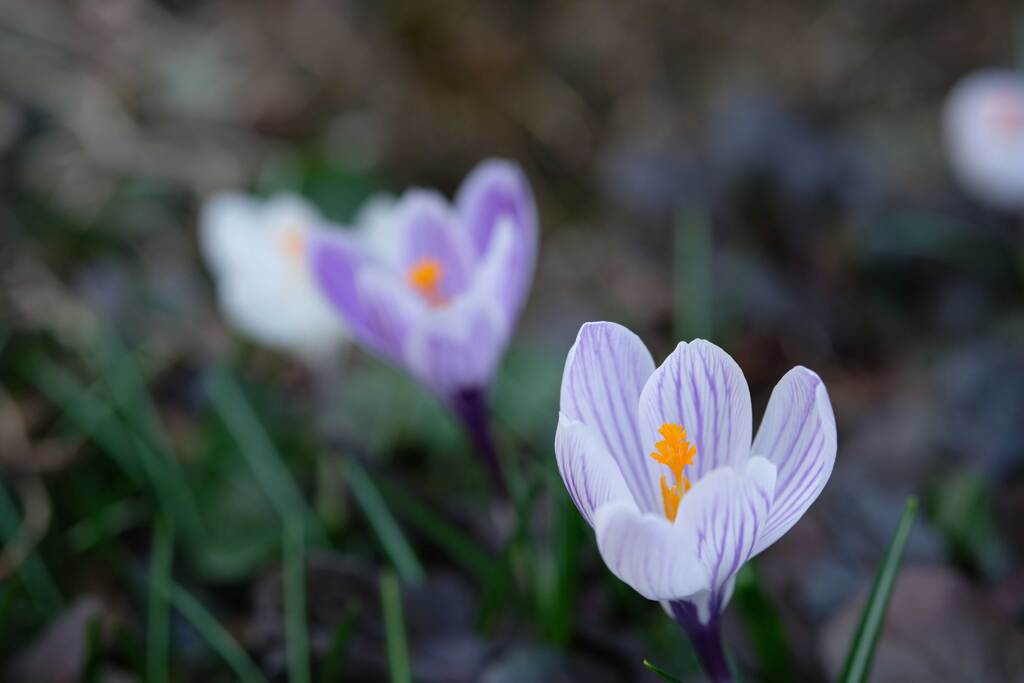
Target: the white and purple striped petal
(700, 387)
(798, 434)
(649, 553)
(379, 311)
(455, 348)
(497, 192)
(591, 476)
(604, 373)
(722, 518)
(459, 345)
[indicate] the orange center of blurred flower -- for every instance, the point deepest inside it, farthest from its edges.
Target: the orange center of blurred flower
(675, 452)
(292, 244)
(1006, 113)
(425, 277)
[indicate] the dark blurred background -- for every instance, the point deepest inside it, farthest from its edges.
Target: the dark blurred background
(767, 175)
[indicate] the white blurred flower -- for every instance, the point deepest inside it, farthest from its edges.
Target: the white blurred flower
(984, 130)
(375, 225)
(257, 252)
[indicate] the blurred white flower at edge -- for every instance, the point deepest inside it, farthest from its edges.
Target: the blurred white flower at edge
(256, 251)
(984, 134)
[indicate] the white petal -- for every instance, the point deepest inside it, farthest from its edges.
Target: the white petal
(722, 517)
(984, 137)
(798, 434)
(700, 387)
(376, 227)
(649, 553)
(289, 211)
(226, 221)
(604, 373)
(591, 476)
(256, 253)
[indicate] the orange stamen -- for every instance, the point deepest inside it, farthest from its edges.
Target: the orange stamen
(425, 277)
(291, 242)
(675, 452)
(1006, 113)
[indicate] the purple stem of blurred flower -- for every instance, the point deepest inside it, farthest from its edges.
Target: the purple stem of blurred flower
(706, 639)
(471, 407)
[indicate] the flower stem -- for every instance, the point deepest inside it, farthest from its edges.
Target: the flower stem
(471, 407)
(706, 639)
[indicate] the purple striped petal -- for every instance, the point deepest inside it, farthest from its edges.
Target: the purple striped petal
(604, 374)
(378, 309)
(798, 434)
(456, 347)
(497, 193)
(496, 189)
(459, 346)
(649, 553)
(428, 229)
(591, 476)
(700, 387)
(723, 516)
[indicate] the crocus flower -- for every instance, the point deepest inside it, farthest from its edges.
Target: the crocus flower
(439, 292)
(661, 464)
(256, 251)
(984, 130)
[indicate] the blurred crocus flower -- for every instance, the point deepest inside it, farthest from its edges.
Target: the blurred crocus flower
(661, 464)
(984, 130)
(436, 287)
(257, 252)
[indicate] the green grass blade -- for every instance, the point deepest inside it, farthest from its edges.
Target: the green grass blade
(113, 519)
(294, 576)
(126, 385)
(86, 411)
(93, 655)
(32, 572)
(763, 625)
(158, 615)
(394, 628)
(259, 452)
(339, 645)
(865, 639)
(219, 640)
(664, 675)
(692, 274)
(558, 593)
(135, 454)
(463, 550)
(384, 525)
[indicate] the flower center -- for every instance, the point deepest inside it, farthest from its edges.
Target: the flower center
(425, 277)
(675, 452)
(1006, 114)
(292, 244)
